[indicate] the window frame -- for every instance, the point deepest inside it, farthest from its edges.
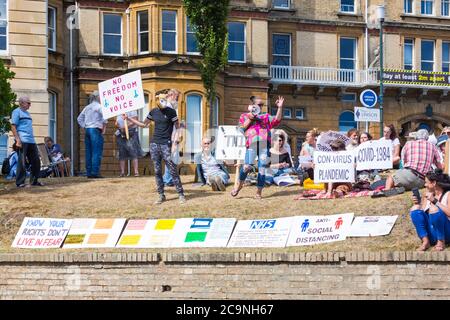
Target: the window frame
(188, 149)
(432, 7)
(282, 8)
(447, 62)
(405, 44)
(447, 2)
(353, 94)
(139, 32)
(112, 34)
(290, 47)
(53, 122)
(244, 42)
(163, 31)
(54, 18)
(6, 19)
(428, 61)
(303, 114)
(216, 112)
(287, 109)
(142, 114)
(347, 5)
(355, 51)
(197, 53)
(406, 4)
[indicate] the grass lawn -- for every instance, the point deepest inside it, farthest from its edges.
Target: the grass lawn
(132, 197)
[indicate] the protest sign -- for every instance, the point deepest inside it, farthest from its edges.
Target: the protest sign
(372, 226)
(121, 94)
(310, 230)
(334, 166)
(376, 154)
(305, 161)
(325, 138)
(203, 232)
(268, 233)
(94, 233)
(41, 233)
(230, 143)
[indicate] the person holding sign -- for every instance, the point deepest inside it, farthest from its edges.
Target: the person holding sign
(337, 189)
(305, 158)
(391, 135)
(364, 137)
(353, 134)
(256, 128)
(129, 146)
(165, 119)
(431, 214)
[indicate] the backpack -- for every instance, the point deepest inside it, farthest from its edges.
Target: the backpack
(6, 168)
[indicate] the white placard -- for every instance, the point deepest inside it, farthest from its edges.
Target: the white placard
(375, 154)
(326, 138)
(334, 166)
(310, 230)
(366, 114)
(230, 143)
(264, 233)
(121, 94)
(94, 233)
(203, 232)
(372, 226)
(42, 233)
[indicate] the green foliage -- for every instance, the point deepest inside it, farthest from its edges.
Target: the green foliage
(208, 19)
(7, 98)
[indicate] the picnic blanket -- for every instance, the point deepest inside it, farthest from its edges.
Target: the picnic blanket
(319, 195)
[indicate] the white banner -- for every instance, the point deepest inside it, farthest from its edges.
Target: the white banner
(41, 233)
(334, 166)
(121, 94)
(230, 143)
(366, 114)
(375, 154)
(325, 138)
(372, 226)
(310, 230)
(268, 233)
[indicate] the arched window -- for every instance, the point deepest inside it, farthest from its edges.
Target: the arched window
(346, 121)
(215, 123)
(193, 123)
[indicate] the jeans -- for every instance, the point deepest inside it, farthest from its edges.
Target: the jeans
(276, 173)
(435, 226)
(160, 152)
(93, 142)
(29, 151)
(261, 151)
(167, 177)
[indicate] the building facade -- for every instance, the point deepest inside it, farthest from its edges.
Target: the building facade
(319, 55)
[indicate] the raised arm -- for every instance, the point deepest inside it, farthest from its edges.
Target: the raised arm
(279, 103)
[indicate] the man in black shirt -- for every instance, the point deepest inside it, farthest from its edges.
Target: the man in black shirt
(164, 118)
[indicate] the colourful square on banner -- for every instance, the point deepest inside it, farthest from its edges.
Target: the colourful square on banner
(165, 224)
(74, 239)
(104, 224)
(130, 240)
(136, 224)
(195, 237)
(98, 238)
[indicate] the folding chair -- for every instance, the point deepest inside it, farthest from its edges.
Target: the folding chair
(46, 162)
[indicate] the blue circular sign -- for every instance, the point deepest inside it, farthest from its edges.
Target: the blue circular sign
(368, 98)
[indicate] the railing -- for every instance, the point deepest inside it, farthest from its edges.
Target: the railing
(323, 76)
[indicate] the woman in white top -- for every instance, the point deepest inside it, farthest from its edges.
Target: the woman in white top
(430, 215)
(391, 135)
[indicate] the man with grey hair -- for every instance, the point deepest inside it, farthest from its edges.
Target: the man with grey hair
(22, 129)
(91, 119)
(418, 156)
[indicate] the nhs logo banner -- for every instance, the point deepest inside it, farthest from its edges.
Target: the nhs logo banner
(268, 233)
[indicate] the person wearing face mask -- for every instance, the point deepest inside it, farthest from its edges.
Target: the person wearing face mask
(166, 120)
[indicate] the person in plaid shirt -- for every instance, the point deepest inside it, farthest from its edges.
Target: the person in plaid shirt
(418, 156)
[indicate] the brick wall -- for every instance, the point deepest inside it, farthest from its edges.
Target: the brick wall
(139, 275)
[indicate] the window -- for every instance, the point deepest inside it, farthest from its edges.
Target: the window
(3, 147)
(281, 4)
(346, 121)
(281, 49)
(3, 25)
(112, 34)
(143, 34)
(299, 113)
(408, 6)
(426, 7)
(193, 123)
(348, 97)
(273, 111)
(236, 42)
(144, 134)
(51, 16)
(347, 59)
(445, 8)
(408, 49)
(348, 6)
(191, 40)
(446, 56)
(215, 123)
(427, 54)
(287, 113)
(52, 103)
(169, 31)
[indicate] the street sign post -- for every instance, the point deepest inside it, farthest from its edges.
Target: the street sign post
(366, 114)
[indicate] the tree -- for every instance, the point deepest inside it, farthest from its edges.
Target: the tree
(7, 98)
(208, 18)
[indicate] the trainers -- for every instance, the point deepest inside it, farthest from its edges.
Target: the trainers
(182, 198)
(161, 199)
(220, 185)
(213, 183)
(21, 185)
(37, 184)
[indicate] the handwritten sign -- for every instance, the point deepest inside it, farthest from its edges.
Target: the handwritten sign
(310, 230)
(230, 143)
(41, 233)
(376, 154)
(334, 166)
(121, 94)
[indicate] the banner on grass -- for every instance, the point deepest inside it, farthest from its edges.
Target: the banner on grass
(334, 166)
(372, 226)
(41, 233)
(376, 154)
(310, 230)
(121, 94)
(267, 233)
(230, 143)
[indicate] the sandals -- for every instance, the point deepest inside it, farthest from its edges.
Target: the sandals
(234, 193)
